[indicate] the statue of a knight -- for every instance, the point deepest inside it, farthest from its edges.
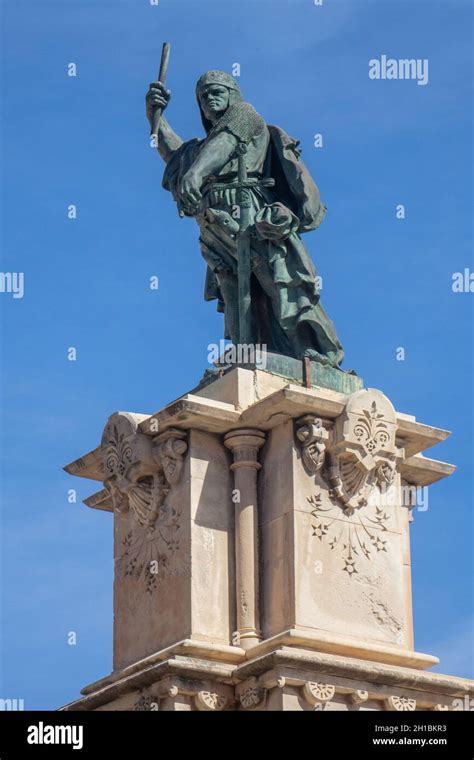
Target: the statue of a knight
(202, 174)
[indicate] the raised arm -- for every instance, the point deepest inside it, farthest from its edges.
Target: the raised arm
(168, 141)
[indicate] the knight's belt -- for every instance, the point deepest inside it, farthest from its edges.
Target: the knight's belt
(231, 182)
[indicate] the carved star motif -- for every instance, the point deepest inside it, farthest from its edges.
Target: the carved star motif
(380, 544)
(320, 530)
(350, 568)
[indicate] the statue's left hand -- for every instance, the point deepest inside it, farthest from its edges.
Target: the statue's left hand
(190, 190)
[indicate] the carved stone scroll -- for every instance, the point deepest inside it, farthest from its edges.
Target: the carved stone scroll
(359, 696)
(313, 437)
(140, 469)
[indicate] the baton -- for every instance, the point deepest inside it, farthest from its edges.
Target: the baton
(165, 56)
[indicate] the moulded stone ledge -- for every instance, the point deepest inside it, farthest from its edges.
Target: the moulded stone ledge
(304, 680)
(334, 644)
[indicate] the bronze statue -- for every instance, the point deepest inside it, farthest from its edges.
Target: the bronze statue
(252, 197)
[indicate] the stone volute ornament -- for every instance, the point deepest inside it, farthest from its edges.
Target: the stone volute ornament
(359, 451)
(140, 470)
(313, 437)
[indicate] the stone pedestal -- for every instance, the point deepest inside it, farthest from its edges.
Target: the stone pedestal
(262, 551)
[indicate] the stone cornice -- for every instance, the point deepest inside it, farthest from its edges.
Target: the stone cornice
(284, 666)
(290, 402)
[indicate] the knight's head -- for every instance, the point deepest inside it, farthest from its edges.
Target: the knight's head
(215, 92)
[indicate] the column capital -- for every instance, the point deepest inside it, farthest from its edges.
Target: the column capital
(245, 444)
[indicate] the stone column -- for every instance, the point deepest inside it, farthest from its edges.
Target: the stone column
(244, 445)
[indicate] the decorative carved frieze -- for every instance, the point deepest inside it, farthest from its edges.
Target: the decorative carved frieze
(198, 694)
(318, 693)
(210, 700)
(400, 704)
(147, 703)
(250, 694)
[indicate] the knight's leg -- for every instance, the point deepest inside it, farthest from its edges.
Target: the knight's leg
(307, 329)
(229, 288)
(271, 327)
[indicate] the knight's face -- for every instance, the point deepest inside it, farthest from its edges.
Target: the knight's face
(214, 100)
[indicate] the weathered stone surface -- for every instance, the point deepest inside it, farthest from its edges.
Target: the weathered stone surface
(163, 590)
(262, 552)
(284, 679)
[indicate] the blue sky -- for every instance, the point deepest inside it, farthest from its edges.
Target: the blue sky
(386, 282)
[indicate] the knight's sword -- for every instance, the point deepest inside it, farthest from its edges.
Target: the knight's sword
(244, 268)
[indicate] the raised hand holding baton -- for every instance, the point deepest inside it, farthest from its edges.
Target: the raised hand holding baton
(165, 55)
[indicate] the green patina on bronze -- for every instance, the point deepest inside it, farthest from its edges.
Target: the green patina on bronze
(322, 376)
(253, 198)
